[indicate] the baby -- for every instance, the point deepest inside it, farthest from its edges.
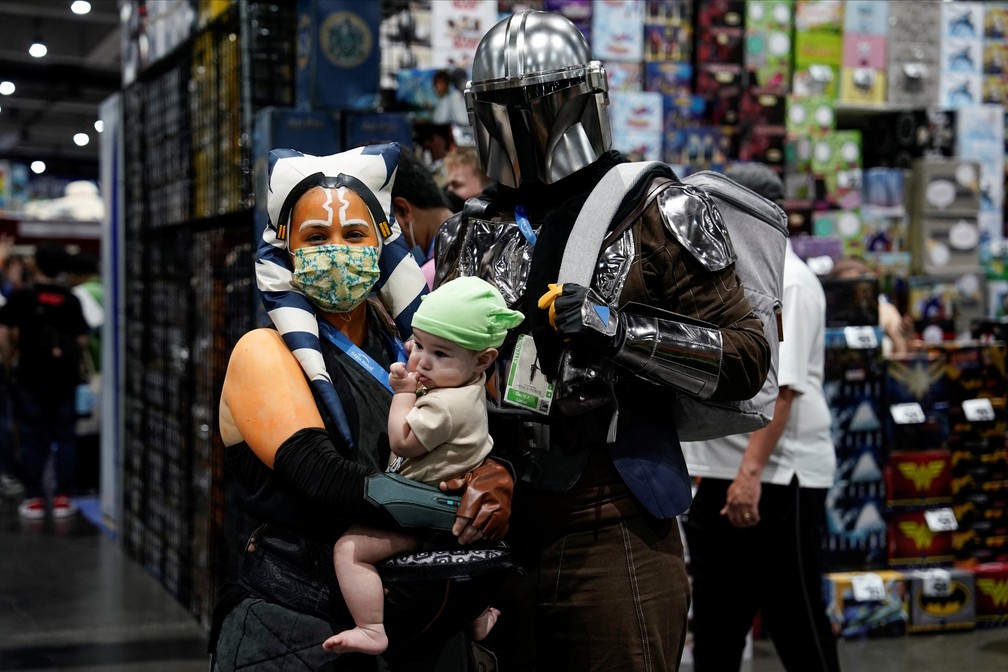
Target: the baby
(437, 430)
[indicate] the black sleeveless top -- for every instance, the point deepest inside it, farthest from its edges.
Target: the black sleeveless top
(366, 404)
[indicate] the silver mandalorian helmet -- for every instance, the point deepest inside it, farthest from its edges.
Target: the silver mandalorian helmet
(537, 102)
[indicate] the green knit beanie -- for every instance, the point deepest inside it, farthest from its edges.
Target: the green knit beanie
(467, 311)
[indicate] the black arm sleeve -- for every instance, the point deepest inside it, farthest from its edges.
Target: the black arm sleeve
(309, 464)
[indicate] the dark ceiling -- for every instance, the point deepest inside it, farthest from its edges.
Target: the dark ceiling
(58, 95)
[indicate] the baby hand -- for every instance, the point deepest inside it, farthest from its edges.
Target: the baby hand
(400, 379)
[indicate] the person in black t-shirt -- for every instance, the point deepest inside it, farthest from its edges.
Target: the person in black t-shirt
(42, 331)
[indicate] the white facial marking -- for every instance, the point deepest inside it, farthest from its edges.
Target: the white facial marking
(345, 205)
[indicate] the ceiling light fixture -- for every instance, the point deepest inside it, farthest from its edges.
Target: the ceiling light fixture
(38, 167)
(80, 7)
(37, 48)
(99, 125)
(81, 139)
(6, 88)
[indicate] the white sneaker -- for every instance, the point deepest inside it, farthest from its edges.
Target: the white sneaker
(32, 509)
(63, 507)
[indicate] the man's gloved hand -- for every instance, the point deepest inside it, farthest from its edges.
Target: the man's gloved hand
(580, 315)
(485, 502)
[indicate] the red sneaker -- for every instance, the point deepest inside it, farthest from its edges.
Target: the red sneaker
(63, 507)
(32, 509)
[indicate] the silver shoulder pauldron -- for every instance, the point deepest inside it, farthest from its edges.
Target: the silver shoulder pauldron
(693, 219)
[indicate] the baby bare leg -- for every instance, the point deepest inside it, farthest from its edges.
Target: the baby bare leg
(354, 556)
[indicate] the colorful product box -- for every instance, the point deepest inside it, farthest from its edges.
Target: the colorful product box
(810, 115)
(720, 45)
(338, 42)
(913, 541)
(682, 112)
(991, 581)
(818, 57)
(867, 604)
(768, 43)
(946, 186)
(977, 371)
(855, 525)
(845, 225)
(962, 19)
(961, 56)
(916, 478)
(694, 148)
(913, 61)
(616, 30)
(668, 42)
(625, 76)
(579, 12)
(836, 158)
(721, 14)
(861, 467)
(866, 17)
(941, 600)
(864, 50)
(863, 86)
(958, 90)
(669, 78)
(770, 15)
(994, 89)
(826, 15)
(639, 111)
(766, 144)
(996, 21)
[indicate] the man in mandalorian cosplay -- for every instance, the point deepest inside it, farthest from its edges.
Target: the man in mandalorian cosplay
(601, 472)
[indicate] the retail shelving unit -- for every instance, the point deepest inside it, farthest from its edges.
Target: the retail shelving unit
(188, 258)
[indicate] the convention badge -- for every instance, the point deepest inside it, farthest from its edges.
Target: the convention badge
(907, 414)
(936, 582)
(860, 338)
(941, 520)
(868, 587)
(526, 384)
(978, 410)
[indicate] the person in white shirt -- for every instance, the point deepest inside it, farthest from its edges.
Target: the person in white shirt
(450, 107)
(754, 529)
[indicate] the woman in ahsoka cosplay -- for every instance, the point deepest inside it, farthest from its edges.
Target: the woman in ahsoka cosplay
(303, 416)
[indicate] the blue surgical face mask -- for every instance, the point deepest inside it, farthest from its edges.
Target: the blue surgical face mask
(335, 277)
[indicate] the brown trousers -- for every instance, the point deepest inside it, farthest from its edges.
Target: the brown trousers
(603, 592)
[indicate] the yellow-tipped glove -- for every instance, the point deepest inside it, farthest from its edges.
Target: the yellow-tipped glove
(547, 299)
(580, 315)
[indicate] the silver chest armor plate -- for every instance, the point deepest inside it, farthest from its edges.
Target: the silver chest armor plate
(497, 251)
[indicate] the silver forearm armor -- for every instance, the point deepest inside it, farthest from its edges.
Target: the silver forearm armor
(671, 350)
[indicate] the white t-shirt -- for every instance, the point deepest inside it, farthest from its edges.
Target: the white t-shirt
(806, 446)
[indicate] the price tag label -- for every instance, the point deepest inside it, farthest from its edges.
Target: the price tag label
(941, 520)
(868, 587)
(936, 583)
(978, 410)
(907, 414)
(860, 338)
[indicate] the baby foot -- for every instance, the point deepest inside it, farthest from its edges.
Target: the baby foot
(371, 640)
(483, 624)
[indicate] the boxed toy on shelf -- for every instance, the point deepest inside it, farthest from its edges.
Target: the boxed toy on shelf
(867, 604)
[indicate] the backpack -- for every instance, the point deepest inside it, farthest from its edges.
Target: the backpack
(758, 230)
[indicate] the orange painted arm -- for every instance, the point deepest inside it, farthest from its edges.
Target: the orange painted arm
(266, 397)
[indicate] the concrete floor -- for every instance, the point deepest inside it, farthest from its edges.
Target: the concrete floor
(71, 600)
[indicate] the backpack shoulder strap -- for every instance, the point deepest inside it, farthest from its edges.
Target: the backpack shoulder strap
(593, 221)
